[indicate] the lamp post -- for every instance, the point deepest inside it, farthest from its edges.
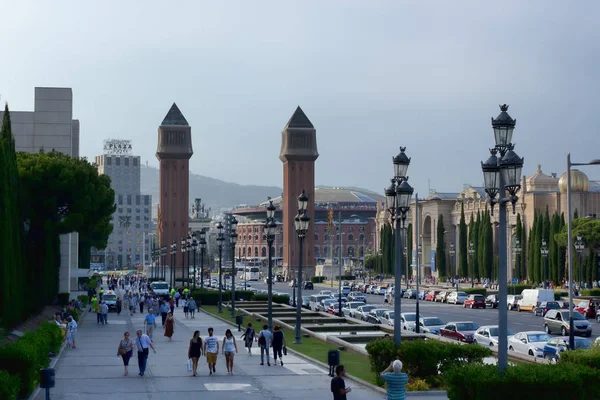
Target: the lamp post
(294, 291)
(452, 252)
(418, 281)
(579, 246)
(220, 240)
(301, 224)
(194, 250)
(544, 251)
(269, 230)
(172, 268)
(189, 254)
(397, 203)
(405, 253)
(202, 244)
(518, 255)
(163, 254)
(501, 175)
(183, 251)
(232, 241)
(471, 254)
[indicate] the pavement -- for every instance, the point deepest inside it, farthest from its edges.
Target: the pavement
(93, 371)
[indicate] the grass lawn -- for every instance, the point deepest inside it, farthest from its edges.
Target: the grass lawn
(355, 364)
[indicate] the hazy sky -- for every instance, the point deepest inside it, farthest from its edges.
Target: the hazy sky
(371, 76)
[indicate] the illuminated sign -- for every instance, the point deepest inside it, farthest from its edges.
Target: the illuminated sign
(117, 147)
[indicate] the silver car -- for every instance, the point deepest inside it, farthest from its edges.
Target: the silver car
(350, 307)
(430, 325)
(362, 312)
(408, 320)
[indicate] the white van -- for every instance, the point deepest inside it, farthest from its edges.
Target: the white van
(531, 298)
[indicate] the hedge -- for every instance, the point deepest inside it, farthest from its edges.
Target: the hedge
(381, 353)
(518, 289)
(559, 295)
(54, 333)
(318, 279)
(590, 292)
(211, 297)
(9, 386)
(482, 291)
(587, 358)
(522, 382)
(279, 299)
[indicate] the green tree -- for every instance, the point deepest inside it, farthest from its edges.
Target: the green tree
(531, 263)
(463, 265)
(524, 253)
(488, 238)
(472, 240)
(588, 228)
(440, 248)
(518, 260)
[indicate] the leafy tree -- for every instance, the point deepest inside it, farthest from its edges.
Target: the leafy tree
(463, 266)
(518, 258)
(531, 263)
(472, 240)
(488, 239)
(440, 249)
(588, 228)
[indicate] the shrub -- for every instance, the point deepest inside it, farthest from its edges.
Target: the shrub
(75, 313)
(279, 299)
(9, 386)
(63, 298)
(318, 279)
(482, 291)
(54, 333)
(209, 297)
(381, 353)
(347, 277)
(84, 299)
(417, 384)
(591, 292)
(523, 381)
(587, 358)
(518, 289)
(559, 295)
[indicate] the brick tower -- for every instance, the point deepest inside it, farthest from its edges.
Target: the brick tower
(174, 151)
(298, 154)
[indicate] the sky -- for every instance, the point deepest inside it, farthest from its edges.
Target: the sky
(370, 75)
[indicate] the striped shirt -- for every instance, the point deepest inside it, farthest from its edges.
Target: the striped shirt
(396, 385)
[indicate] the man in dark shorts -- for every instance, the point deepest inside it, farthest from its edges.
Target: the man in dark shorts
(338, 386)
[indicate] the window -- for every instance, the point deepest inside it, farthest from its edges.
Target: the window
(146, 218)
(127, 161)
(128, 199)
(120, 199)
(120, 210)
(263, 252)
(137, 210)
(137, 226)
(255, 237)
(146, 226)
(108, 160)
(137, 217)
(129, 211)
(350, 237)
(135, 161)
(256, 252)
(361, 238)
(147, 201)
(118, 161)
(316, 237)
(146, 210)
(316, 251)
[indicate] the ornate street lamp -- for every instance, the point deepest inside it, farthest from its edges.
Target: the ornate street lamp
(194, 250)
(579, 247)
(188, 250)
(518, 255)
(163, 254)
(202, 244)
(183, 251)
(501, 175)
(452, 252)
(544, 251)
(232, 241)
(172, 267)
(269, 230)
(397, 201)
(220, 240)
(301, 224)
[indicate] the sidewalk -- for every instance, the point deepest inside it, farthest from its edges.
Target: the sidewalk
(93, 371)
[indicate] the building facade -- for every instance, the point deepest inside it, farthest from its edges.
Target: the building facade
(129, 243)
(50, 126)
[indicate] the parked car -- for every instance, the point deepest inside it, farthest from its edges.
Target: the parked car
(334, 309)
(315, 300)
(512, 301)
(357, 296)
(362, 311)
(350, 306)
(365, 288)
(305, 301)
(529, 343)
(430, 296)
(462, 331)
(325, 303)
(373, 289)
(543, 308)
(410, 294)
(492, 301)
(441, 297)
(488, 335)
(456, 298)
(559, 344)
(326, 292)
(558, 321)
(409, 319)
(430, 325)
(587, 308)
(388, 318)
(474, 301)
(380, 290)
(375, 316)
(308, 286)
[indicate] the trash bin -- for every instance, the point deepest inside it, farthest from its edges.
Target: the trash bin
(47, 378)
(333, 359)
(239, 320)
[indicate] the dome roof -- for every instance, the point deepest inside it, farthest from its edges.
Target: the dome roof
(541, 182)
(579, 182)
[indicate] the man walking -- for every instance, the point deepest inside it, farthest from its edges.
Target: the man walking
(104, 312)
(143, 344)
(192, 307)
(211, 349)
(150, 323)
(265, 337)
(338, 386)
(164, 310)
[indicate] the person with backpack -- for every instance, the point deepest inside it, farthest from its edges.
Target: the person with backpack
(265, 337)
(248, 338)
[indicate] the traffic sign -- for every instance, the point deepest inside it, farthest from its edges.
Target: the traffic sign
(515, 281)
(456, 277)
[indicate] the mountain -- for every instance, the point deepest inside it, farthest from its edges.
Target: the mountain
(215, 193)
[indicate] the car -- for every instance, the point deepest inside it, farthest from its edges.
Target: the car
(587, 308)
(529, 343)
(543, 308)
(334, 309)
(349, 308)
(441, 297)
(362, 311)
(492, 301)
(110, 299)
(456, 298)
(430, 325)
(315, 301)
(375, 316)
(357, 296)
(512, 301)
(430, 296)
(409, 319)
(345, 290)
(557, 345)
(488, 335)
(462, 331)
(324, 305)
(388, 318)
(565, 305)
(474, 301)
(365, 288)
(532, 298)
(326, 292)
(410, 294)
(558, 321)
(373, 289)
(308, 286)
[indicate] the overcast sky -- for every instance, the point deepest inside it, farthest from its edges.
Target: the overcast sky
(370, 75)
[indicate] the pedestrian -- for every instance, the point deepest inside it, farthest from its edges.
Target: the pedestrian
(278, 344)
(338, 386)
(195, 351)
(211, 350)
(71, 332)
(172, 304)
(93, 303)
(185, 307)
(132, 304)
(125, 350)
(192, 307)
(177, 296)
(143, 344)
(248, 337)
(150, 323)
(104, 311)
(265, 338)
(170, 326)
(98, 311)
(229, 346)
(396, 381)
(164, 310)
(142, 302)
(119, 306)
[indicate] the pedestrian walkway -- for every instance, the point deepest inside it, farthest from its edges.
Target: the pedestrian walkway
(93, 370)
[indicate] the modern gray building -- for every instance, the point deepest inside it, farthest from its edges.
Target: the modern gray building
(50, 126)
(129, 244)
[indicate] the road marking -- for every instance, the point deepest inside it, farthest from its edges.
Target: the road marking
(213, 387)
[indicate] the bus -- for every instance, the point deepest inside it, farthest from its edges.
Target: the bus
(252, 274)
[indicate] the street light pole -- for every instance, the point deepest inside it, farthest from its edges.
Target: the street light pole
(269, 230)
(502, 174)
(233, 240)
(195, 250)
(471, 261)
(579, 246)
(183, 251)
(220, 240)
(301, 223)
(202, 249)
(544, 251)
(172, 268)
(452, 252)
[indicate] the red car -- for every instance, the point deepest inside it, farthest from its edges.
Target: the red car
(461, 331)
(431, 295)
(587, 308)
(474, 301)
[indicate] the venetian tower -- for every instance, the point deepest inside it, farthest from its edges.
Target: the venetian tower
(173, 152)
(298, 154)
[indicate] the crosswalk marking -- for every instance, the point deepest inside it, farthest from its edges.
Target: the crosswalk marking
(226, 386)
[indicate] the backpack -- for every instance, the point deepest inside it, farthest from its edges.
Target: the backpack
(262, 341)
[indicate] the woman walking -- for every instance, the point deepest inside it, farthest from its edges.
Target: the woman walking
(192, 307)
(170, 326)
(185, 307)
(278, 343)
(248, 337)
(71, 332)
(125, 350)
(119, 306)
(229, 346)
(195, 351)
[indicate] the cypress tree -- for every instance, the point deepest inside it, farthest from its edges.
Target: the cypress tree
(488, 238)
(440, 249)
(472, 258)
(554, 249)
(531, 274)
(537, 257)
(562, 252)
(518, 235)
(481, 248)
(524, 253)
(545, 274)
(463, 265)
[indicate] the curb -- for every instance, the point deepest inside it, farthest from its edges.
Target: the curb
(369, 385)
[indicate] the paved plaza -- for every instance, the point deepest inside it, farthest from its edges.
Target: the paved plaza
(93, 371)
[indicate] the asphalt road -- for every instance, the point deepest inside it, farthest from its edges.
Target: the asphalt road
(517, 321)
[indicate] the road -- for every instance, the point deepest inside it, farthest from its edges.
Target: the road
(517, 321)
